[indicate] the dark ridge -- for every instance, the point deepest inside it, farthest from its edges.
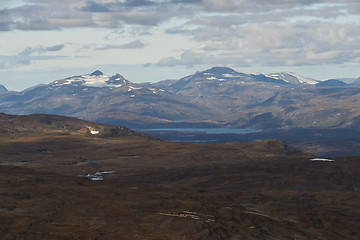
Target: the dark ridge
(3, 89)
(55, 124)
(97, 73)
(331, 83)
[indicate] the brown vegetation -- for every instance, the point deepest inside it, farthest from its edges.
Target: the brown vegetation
(152, 189)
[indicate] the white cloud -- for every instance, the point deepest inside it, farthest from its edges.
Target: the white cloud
(29, 54)
(242, 32)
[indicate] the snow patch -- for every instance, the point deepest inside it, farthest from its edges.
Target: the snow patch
(228, 75)
(153, 90)
(133, 88)
(90, 81)
(94, 132)
(322, 159)
(292, 78)
(98, 176)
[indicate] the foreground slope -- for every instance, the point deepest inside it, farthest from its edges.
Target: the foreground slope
(57, 185)
(62, 125)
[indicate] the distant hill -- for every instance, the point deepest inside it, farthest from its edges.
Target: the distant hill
(356, 82)
(54, 124)
(331, 83)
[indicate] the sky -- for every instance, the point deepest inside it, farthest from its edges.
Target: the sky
(147, 40)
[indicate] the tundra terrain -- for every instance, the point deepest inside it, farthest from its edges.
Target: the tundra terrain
(68, 180)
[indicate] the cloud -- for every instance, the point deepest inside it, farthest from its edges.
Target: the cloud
(26, 56)
(131, 45)
(52, 14)
(263, 32)
(270, 44)
(92, 6)
(30, 50)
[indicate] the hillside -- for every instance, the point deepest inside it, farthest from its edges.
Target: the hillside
(60, 125)
(81, 186)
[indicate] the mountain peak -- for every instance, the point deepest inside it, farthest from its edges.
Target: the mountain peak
(220, 70)
(292, 78)
(3, 89)
(97, 73)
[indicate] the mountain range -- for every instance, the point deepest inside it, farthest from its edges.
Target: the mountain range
(219, 96)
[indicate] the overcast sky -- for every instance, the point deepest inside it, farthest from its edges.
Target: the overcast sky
(148, 40)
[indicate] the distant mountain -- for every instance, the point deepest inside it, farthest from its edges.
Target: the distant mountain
(102, 98)
(356, 82)
(293, 78)
(95, 79)
(219, 84)
(331, 83)
(3, 89)
(214, 80)
(219, 96)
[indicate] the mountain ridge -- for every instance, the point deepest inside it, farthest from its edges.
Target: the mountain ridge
(220, 96)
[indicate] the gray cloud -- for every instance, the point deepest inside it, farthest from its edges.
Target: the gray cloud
(271, 44)
(131, 45)
(26, 56)
(244, 32)
(52, 14)
(92, 6)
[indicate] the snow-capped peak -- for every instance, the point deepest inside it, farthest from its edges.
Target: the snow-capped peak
(95, 79)
(293, 78)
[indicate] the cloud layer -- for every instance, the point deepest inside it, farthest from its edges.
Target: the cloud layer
(237, 32)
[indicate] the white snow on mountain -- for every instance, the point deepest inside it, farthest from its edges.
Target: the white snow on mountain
(228, 75)
(322, 159)
(293, 78)
(133, 88)
(93, 80)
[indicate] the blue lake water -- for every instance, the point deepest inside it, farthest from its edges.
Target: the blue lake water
(202, 135)
(204, 130)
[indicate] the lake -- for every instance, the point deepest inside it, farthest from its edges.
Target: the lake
(200, 135)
